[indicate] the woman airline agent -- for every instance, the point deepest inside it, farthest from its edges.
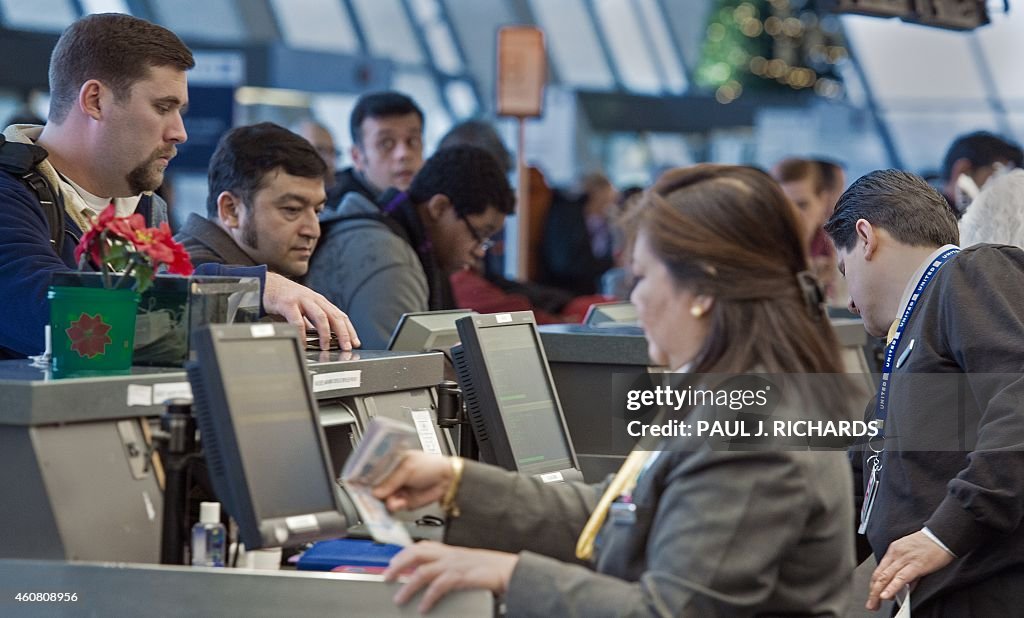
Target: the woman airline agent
(716, 256)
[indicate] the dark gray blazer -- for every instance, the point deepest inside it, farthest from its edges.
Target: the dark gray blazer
(717, 533)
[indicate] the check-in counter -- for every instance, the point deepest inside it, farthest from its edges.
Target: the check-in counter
(583, 360)
(156, 591)
(78, 479)
(353, 387)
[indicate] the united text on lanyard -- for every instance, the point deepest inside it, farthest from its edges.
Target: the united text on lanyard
(882, 410)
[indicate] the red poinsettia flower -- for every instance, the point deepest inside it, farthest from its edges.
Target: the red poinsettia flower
(88, 335)
(127, 227)
(161, 248)
(125, 244)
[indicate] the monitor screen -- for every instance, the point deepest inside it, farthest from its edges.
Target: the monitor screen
(510, 396)
(276, 428)
(525, 397)
(261, 435)
(611, 313)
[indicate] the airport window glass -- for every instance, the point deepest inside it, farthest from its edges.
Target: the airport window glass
(1002, 43)
(104, 6)
(669, 150)
(41, 15)
(688, 23)
(209, 20)
(908, 61)
(572, 43)
(439, 37)
(1017, 127)
(656, 28)
(318, 25)
(629, 44)
(461, 98)
(475, 23)
(387, 30)
(922, 137)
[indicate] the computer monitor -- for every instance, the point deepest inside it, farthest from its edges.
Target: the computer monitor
(615, 313)
(261, 435)
(427, 331)
(510, 396)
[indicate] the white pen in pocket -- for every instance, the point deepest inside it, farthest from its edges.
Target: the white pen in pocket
(906, 352)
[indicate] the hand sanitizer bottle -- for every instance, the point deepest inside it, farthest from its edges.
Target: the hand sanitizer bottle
(208, 537)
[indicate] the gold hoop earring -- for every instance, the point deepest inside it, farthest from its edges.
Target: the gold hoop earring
(696, 311)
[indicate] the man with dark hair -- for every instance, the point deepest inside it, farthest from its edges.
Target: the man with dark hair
(266, 190)
(378, 265)
(119, 90)
(387, 146)
(943, 494)
(482, 135)
(490, 291)
(975, 156)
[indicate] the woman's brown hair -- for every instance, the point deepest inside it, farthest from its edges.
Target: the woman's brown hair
(730, 233)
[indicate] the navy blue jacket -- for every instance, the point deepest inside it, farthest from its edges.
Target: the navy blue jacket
(27, 261)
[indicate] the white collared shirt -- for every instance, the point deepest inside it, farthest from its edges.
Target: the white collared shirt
(93, 204)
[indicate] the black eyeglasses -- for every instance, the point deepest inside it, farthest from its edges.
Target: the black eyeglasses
(484, 242)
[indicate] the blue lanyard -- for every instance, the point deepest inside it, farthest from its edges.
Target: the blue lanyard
(883, 390)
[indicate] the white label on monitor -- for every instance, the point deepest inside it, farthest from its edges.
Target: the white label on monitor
(171, 390)
(503, 318)
(140, 395)
(261, 330)
(552, 477)
(425, 429)
(336, 379)
(302, 523)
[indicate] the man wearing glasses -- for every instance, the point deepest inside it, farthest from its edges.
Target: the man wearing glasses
(378, 262)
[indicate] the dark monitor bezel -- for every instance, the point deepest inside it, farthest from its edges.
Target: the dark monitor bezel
(408, 318)
(481, 401)
(598, 309)
(227, 470)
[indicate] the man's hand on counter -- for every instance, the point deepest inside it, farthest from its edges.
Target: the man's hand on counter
(302, 306)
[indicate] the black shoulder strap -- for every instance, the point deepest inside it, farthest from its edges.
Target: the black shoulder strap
(21, 160)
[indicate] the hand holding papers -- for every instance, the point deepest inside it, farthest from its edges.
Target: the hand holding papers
(378, 454)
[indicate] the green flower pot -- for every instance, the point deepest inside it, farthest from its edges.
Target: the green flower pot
(91, 329)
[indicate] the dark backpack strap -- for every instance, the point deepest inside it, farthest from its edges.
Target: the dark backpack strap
(21, 161)
(52, 206)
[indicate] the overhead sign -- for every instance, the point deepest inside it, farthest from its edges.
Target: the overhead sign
(522, 71)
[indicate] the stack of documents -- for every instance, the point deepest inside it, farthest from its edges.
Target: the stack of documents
(377, 455)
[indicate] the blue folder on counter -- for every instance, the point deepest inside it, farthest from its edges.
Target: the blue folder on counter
(326, 555)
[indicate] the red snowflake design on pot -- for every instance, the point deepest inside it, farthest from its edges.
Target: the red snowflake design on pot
(88, 335)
